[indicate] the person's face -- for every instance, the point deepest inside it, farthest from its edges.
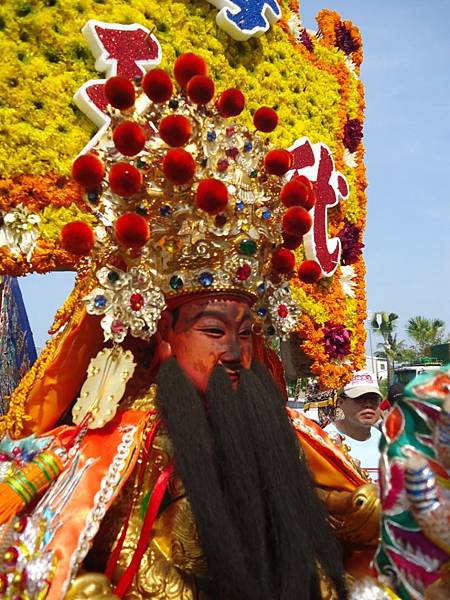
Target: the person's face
(208, 333)
(361, 411)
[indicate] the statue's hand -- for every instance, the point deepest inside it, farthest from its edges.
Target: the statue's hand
(356, 516)
(91, 586)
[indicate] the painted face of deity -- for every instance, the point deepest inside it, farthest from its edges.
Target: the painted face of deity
(210, 332)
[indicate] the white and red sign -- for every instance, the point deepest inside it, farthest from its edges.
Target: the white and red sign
(315, 162)
(126, 50)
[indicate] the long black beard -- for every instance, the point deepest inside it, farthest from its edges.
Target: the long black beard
(261, 524)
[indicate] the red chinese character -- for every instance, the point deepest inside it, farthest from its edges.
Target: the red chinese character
(315, 162)
(126, 50)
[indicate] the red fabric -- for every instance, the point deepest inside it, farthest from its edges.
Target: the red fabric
(115, 554)
(147, 527)
(385, 405)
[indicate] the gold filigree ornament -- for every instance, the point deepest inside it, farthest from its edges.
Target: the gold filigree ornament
(107, 376)
(187, 201)
(128, 302)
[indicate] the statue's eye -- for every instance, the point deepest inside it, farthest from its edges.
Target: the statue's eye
(215, 331)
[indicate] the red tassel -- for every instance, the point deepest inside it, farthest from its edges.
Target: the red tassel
(147, 527)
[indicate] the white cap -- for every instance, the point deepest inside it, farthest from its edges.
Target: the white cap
(363, 382)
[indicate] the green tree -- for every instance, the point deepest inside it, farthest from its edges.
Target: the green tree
(384, 324)
(425, 332)
(397, 351)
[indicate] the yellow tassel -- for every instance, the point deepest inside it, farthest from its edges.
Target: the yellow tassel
(18, 490)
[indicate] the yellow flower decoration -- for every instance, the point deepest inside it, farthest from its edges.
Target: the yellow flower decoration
(315, 91)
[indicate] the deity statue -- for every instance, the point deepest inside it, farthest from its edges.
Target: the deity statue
(149, 451)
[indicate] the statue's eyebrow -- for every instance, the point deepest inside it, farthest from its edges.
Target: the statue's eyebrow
(217, 314)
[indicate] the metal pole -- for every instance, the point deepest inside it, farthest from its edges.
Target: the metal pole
(369, 319)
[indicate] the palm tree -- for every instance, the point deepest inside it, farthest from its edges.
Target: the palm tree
(397, 351)
(384, 324)
(425, 332)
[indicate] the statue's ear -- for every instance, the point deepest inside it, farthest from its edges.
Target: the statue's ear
(163, 347)
(165, 325)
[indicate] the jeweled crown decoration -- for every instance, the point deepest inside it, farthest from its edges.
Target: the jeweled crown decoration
(188, 201)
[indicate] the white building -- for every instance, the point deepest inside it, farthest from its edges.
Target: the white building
(378, 366)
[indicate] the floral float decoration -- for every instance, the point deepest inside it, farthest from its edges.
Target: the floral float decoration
(319, 77)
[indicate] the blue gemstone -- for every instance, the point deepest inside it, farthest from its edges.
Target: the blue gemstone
(239, 205)
(261, 289)
(266, 214)
(211, 136)
(92, 196)
(205, 279)
(262, 312)
(165, 210)
(100, 301)
(248, 146)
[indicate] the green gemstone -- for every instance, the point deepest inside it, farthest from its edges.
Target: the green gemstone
(248, 247)
(254, 174)
(176, 283)
(141, 163)
(141, 210)
(113, 276)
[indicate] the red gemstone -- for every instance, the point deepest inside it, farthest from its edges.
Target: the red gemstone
(283, 311)
(220, 220)
(136, 301)
(20, 524)
(243, 273)
(10, 556)
(394, 424)
(222, 165)
(232, 152)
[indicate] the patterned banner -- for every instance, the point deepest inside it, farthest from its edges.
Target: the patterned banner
(17, 349)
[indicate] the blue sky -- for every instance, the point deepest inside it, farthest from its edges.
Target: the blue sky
(406, 72)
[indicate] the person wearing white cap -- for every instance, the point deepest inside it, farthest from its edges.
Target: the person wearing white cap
(356, 415)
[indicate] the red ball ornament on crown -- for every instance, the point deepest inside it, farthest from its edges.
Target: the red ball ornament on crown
(265, 119)
(283, 261)
(158, 85)
(129, 138)
(120, 93)
(77, 238)
(291, 242)
(88, 170)
(278, 162)
(200, 89)
(125, 179)
(132, 230)
(175, 130)
(231, 103)
(296, 221)
(309, 271)
(298, 192)
(178, 166)
(211, 196)
(187, 66)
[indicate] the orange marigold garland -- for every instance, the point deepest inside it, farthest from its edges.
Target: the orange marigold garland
(340, 36)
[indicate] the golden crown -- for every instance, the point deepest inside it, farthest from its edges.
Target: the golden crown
(187, 201)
